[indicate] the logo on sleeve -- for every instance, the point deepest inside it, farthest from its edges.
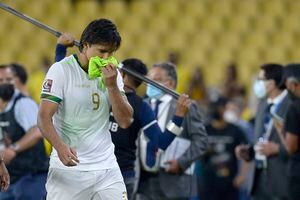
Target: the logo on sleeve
(47, 85)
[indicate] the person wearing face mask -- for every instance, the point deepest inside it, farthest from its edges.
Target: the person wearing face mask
(174, 177)
(221, 178)
(291, 127)
(232, 114)
(144, 125)
(268, 153)
(21, 144)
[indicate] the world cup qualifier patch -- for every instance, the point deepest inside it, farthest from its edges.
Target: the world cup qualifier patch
(47, 85)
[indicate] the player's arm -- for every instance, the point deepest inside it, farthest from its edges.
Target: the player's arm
(63, 42)
(46, 112)
(51, 97)
(121, 109)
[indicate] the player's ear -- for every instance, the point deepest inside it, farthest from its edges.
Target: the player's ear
(85, 46)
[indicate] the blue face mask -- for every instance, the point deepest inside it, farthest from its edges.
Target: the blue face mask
(153, 92)
(259, 89)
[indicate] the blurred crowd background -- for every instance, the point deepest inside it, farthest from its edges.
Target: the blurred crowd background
(218, 47)
(204, 34)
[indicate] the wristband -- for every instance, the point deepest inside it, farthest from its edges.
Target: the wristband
(173, 128)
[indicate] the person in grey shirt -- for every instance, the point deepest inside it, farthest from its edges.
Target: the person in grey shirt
(174, 179)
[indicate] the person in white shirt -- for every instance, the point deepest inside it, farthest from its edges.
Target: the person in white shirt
(74, 117)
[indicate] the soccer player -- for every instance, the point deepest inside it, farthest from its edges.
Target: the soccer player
(74, 117)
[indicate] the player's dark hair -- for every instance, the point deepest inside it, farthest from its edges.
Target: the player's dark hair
(20, 72)
(170, 68)
(135, 65)
(274, 72)
(100, 31)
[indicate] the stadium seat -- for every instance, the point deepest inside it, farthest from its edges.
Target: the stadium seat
(204, 32)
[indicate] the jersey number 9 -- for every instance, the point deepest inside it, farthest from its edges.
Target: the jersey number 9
(96, 101)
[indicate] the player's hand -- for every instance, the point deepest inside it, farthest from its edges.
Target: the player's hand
(269, 149)
(4, 177)
(8, 155)
(173, 167)
(66, 39)
(110, 76)
(67, 156)
(183, 105)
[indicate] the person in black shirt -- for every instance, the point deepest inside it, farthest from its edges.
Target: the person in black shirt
(144, 122)
(292, 130)
(221, 179)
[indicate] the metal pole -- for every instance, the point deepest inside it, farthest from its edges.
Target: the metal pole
(77, 43)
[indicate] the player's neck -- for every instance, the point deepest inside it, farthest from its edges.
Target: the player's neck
(83, 61)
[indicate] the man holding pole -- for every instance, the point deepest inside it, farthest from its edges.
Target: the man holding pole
(144, 124)
(74, 116)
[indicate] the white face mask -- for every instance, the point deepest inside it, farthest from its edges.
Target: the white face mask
(259, 89)
(230, 116)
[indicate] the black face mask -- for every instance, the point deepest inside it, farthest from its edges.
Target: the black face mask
(6, 91)
(292, 96)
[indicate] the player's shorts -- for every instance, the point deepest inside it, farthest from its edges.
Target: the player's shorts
(105, 184)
